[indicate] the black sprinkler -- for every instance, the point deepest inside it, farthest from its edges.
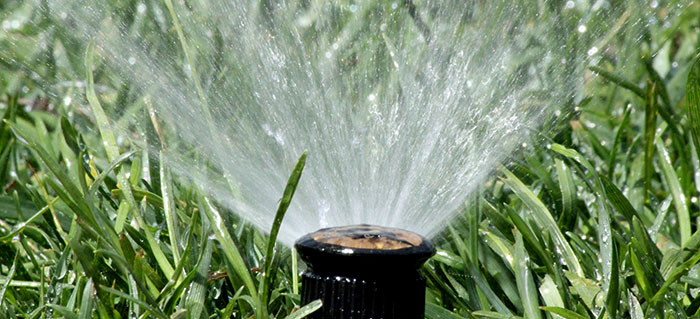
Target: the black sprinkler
(364, 271)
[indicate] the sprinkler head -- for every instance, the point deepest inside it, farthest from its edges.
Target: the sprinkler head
(364, 271)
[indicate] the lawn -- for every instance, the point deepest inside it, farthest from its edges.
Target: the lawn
(597, 216)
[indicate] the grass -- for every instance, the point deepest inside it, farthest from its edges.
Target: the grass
(598, 220)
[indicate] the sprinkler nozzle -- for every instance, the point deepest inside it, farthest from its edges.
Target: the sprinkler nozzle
(364, 271)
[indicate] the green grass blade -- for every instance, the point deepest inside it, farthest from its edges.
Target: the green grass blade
(166, 188)
(433, 311)
(612, 160)
(649, 137)
(108, 139)
(279, 216)
(229, 247)
(605, 235)
(295, 272)
(565, 313)
(98, 181)
(17, 228)
(679, 199)
(526, 284)
(568, 192)
(618, 200)
(676, 273)
(484, 287)
(693, 103)
(86, 303)
(70, 188)
(66, 312)
(635, 308)
(639, 274)
(305, 310)
(612, 296)
(197, 292)
(619, 80)
(531, 241)
(110, 144)
(8, 278)
(544, 219)
(154, 311)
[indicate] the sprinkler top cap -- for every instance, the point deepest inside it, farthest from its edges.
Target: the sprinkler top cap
(367, 237)
(364, 250)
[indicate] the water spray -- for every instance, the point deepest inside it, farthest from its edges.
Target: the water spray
(364, 271)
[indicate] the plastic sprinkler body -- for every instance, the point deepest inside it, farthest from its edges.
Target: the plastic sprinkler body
(364, 271)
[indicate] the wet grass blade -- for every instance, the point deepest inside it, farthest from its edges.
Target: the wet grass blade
(604, 228)
(649, 137)
(230, 250)
(154, 311)
(679, 199)
(675, 274)
(166, 187)
(110, 144)
(619, 80)
(108, 139)
(305, 310)
(544, 219)
(565, 313)
(643, 281)
(635, 308)
(693, 103)
(8, 279)
(523, 277)
(107, 170)
(433, 311)
(287, 196)
(18, 228)
(568, 192)
(612, 296)
(86, 303)
(618, 200)
(67, 190)
(197, 291)
(616, 142)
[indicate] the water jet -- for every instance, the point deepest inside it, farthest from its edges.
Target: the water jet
(364, 271)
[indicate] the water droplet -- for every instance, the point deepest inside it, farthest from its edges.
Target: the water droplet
(141, 8)
(394, 5)
(582, 29)
(371, 97)
(323, 208)
(132, 60)
(328, 54)
(569, 5)
(67, 100)
(592, 51)
(353, 8)
(279, 138)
